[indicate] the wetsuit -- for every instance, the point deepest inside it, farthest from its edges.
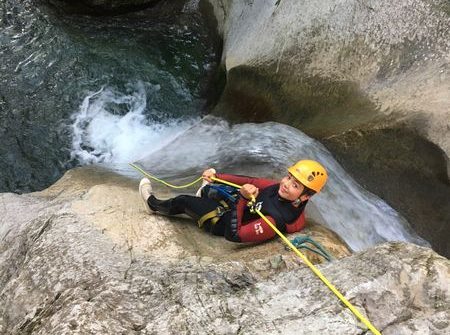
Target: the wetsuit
(238, 224)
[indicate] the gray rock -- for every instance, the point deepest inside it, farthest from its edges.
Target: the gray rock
(363, 59)
(82, 257)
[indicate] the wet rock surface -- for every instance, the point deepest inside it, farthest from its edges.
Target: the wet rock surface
(338, 65)
(414, 179)
(82, 257)
(369, 79)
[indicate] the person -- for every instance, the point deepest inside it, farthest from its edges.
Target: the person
(223, 210)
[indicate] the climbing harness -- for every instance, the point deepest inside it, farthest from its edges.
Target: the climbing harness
(214, 215)
(221, 192)
(289, 243)
(226, 195)
(300, 243)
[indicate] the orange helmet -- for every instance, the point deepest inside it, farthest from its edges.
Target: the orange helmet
(310, 173)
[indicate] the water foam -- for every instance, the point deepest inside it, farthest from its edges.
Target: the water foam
(111, 128)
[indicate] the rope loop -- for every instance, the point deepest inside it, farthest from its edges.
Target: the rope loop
(162, 181)
(300, 243)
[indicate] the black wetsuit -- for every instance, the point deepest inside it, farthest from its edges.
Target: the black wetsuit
(193, 206)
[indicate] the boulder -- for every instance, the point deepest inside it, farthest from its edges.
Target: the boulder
(336, 65)
(83, 257)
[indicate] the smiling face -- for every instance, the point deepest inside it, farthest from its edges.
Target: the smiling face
(290, 188)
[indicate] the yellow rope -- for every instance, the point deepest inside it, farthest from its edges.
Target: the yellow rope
(285, 240)
(162, 181)
(226, 182)
(311, 266)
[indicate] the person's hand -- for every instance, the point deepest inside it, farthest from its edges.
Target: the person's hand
(249, 190)
(208, 174)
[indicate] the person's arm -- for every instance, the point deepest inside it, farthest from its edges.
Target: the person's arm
(241, 180)
(209, 173)
(297, 225)
(256, 230)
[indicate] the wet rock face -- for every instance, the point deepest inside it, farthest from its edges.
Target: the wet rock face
(338, 68)
(348, 60)
(403, 169)
(318, 106)
(82, 257)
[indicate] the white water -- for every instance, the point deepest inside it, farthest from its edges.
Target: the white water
(177, 149)
(101, 135)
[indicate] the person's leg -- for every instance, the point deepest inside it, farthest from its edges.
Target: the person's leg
(195, 207)
(218, 229)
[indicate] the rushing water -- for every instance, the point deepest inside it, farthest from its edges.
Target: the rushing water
(83, 90)
(50, 64)
(359, 217)
(100, 136)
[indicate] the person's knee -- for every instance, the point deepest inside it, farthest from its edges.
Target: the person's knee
(180, 201)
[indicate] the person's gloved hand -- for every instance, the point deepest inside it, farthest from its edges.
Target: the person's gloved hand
(249, 190)
(208, 174)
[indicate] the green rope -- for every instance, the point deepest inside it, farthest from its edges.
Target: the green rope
(300, 243)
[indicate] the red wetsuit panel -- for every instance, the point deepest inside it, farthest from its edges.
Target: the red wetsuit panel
(241, 180)
(297, 225)
(258, 230)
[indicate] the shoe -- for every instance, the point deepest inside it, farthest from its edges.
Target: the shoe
(145, 190)
(199, 191)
